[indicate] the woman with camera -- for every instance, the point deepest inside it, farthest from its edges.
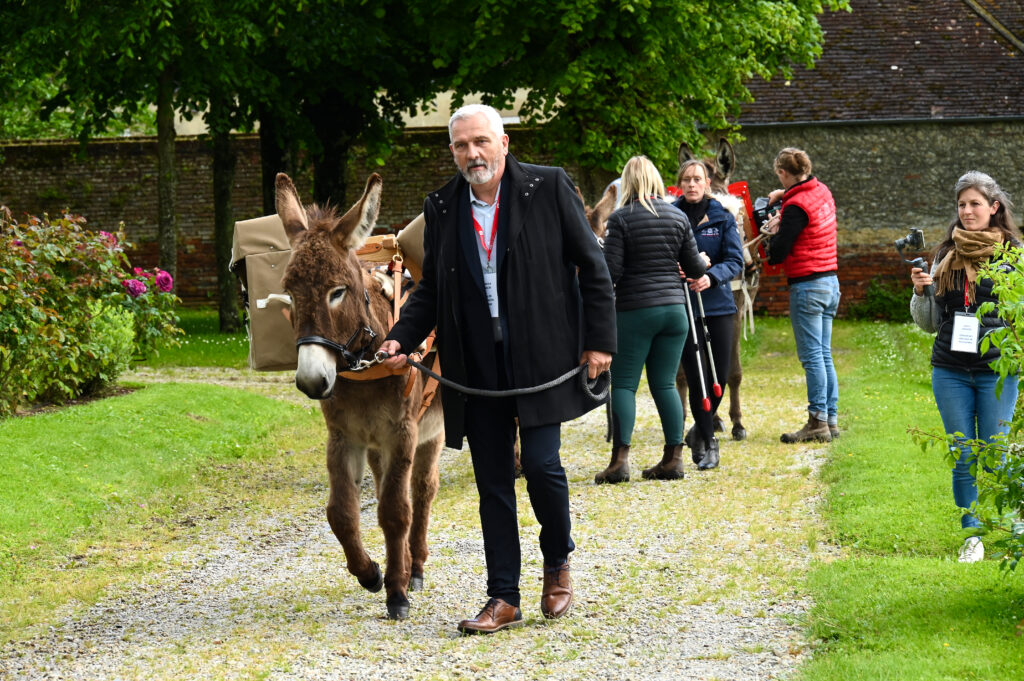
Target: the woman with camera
(804, 240)
(962, 380)
(647, 241)
(718, 237)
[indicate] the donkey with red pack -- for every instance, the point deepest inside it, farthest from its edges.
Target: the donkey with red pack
(744, 287)
(340, 311)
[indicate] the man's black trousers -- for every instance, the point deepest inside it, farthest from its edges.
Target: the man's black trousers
(490, 432)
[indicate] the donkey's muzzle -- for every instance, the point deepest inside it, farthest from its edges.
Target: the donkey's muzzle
(315, 390)
(316, 372)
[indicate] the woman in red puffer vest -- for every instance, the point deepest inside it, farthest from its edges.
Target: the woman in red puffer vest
(804, 240)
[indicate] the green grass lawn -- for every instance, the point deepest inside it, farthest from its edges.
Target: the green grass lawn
(104, 485)
(895, 604)
(95, 494)
(203, 345)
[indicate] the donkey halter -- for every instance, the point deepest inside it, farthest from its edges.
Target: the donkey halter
(354, 359)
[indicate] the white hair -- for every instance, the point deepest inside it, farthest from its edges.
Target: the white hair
(472, 110)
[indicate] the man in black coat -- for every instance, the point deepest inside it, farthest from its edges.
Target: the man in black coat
(517, 287)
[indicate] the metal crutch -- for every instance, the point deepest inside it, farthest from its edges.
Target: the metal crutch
(705, 402)
(717, 387)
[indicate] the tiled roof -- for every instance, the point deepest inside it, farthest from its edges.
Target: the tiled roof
(899, 59)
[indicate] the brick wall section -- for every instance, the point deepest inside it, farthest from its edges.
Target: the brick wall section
(886, 179)
(114, 181)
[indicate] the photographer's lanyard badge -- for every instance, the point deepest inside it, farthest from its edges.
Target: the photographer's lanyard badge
(965, 328)
(490, 274)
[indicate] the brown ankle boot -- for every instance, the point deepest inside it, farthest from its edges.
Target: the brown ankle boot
(618, 469)
(814, 430)
(670, 467)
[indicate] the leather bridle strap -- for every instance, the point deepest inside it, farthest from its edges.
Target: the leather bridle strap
(352, 358)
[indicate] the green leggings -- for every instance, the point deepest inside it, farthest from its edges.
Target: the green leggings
(651, 336)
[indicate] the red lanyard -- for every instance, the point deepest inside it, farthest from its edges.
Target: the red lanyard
(967, 301)
(494, 232)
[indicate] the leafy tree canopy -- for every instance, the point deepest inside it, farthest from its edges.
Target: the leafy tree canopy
(608, 78)
(614, 78)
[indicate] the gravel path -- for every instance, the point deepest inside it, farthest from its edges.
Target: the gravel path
(660, 594)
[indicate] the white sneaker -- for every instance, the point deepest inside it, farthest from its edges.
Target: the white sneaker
(972, 551)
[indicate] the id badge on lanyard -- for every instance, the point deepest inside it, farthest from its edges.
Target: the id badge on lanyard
(490, 274)
(491, 289)
(965, 329)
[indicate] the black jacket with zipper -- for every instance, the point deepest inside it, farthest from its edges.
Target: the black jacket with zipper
(645, 251)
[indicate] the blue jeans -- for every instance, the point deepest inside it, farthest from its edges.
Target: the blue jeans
(968, 404)
(812, 307)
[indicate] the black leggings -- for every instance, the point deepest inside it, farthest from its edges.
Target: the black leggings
(720, 328)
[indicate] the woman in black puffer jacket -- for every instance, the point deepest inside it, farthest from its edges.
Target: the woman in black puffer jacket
(647, 242)
(962, 379)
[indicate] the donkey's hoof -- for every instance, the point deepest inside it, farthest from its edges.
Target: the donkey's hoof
(375, 582)
(739, 433)
(398, 607)
(416, 582)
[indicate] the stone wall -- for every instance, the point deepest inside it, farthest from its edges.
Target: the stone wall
(886, 178)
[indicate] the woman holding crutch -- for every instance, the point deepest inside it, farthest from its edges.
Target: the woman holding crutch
(707, 350)
(646, 243)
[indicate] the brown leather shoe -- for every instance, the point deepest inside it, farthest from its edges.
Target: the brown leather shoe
(495, 616)
(556, 598)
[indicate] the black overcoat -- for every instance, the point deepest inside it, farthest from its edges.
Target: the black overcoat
(555, 292)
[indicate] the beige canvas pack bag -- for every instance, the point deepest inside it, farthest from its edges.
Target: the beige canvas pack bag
(259, 254)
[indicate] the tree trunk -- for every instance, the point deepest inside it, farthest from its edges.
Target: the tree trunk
(329, 172)
(167, 226)
(274, 158)
(225, 158)
(332, 123)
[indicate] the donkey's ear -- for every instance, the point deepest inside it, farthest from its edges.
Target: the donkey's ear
(725, 160)
(684, 154)
(289, 208)
(355, 225)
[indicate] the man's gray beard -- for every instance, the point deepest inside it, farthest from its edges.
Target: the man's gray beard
(478, 179)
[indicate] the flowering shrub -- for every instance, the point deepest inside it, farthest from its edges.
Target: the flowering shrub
(151, 302)
(64, 309)
(135, 287)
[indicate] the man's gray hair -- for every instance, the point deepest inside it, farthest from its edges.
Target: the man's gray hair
(472, 110)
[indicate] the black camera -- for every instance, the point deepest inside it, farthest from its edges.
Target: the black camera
(915, 241)
(763, 211)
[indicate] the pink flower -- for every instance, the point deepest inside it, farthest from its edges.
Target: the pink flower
(135, 287)
(137, 271)
(164, 281)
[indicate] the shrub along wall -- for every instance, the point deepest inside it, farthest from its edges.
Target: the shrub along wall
(886, 179)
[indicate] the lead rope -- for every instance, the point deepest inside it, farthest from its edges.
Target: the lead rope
(588, 386)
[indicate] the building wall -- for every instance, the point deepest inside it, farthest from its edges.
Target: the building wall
(886, 178)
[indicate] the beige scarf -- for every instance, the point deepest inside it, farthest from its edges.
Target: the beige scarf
(970, 249)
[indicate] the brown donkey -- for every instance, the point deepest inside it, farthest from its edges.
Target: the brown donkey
(744, 287)
(598, 215)
(340, 315)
